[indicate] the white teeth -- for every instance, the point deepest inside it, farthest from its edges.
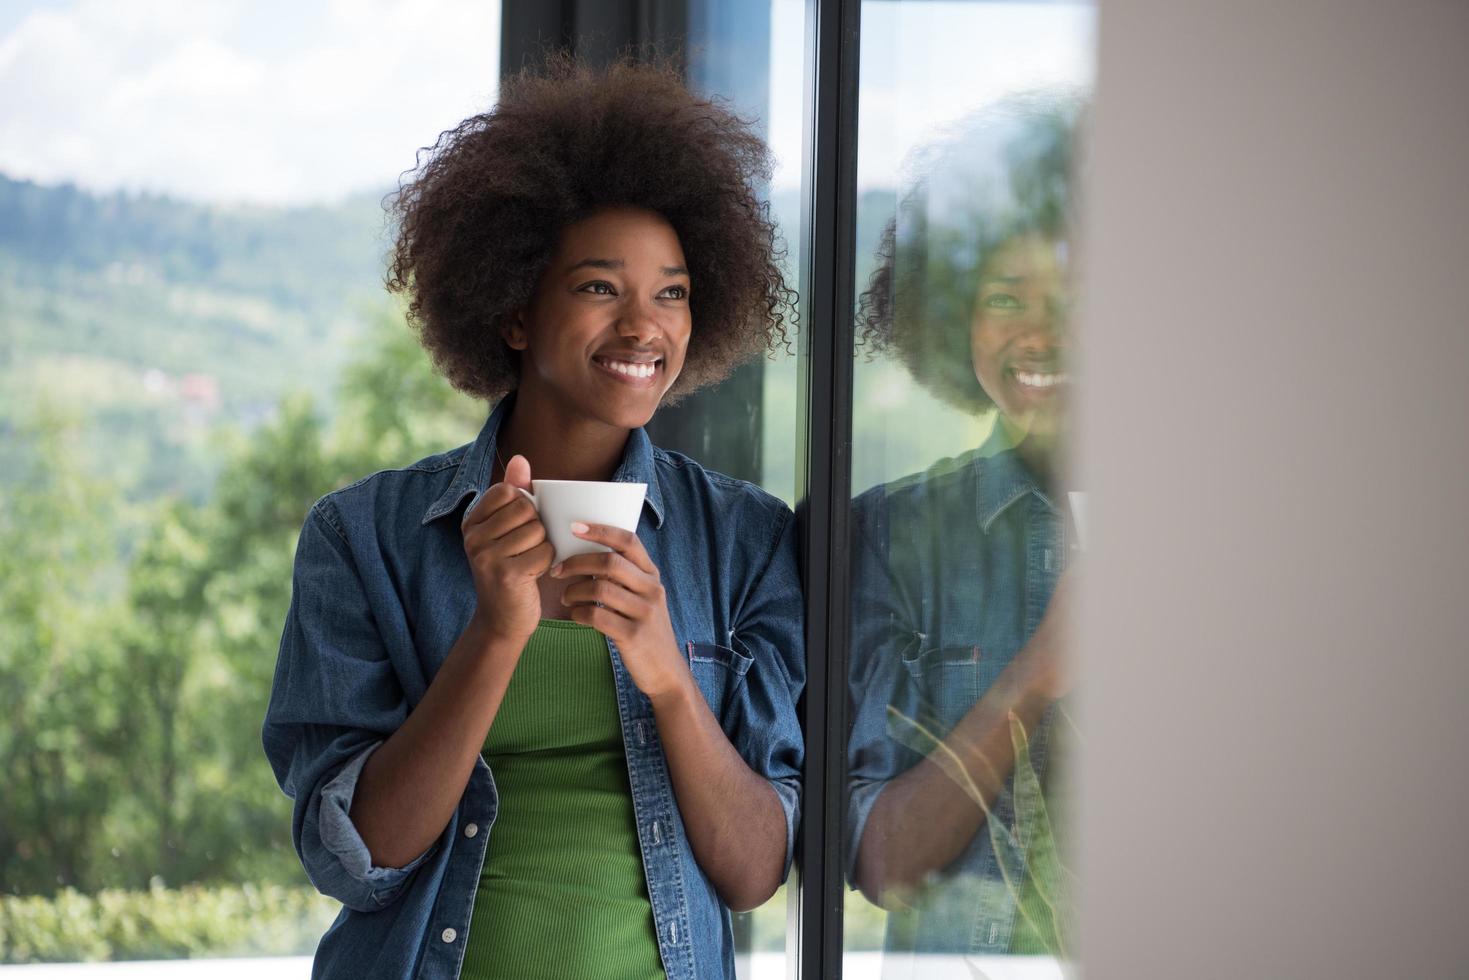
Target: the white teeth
(630, 369)
(1041, 380)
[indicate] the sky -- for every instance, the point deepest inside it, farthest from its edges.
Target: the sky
(926, 66)
(238, 101)
(288, 102)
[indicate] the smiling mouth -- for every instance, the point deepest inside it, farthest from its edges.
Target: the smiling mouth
(1041, 380)
(632, 370)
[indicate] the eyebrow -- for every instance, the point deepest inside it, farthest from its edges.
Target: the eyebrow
(1001, 280)
(617, 264)
(596, 264)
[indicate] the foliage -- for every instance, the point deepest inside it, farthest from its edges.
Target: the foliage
(59, 671)
(254, 920)
(160, 923)
(284, 255)
(134, 721)
(157, 318)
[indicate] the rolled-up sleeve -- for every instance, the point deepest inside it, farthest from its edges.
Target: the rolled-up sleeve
(335, 698)
(771, 631)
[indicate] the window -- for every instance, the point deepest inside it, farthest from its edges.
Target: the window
(195, 346)
(955, 838)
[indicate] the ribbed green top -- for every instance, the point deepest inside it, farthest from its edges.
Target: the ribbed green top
(1039, 928)
(562, 893)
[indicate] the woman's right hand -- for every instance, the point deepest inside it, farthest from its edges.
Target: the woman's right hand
(507, 548)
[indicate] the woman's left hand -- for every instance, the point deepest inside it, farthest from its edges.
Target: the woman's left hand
(622, 597)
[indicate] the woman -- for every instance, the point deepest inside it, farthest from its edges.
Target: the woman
(959, 594)
(505, 767)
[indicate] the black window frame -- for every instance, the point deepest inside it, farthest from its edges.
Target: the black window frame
(824, 483)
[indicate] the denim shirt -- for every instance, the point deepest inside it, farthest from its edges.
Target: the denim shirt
(953, 569)
(381, 593)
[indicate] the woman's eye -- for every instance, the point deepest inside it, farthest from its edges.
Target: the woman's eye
(676, 292)
(1002, 301)
(600, 288)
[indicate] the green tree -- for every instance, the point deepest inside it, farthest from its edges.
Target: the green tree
(393, 408)
(59, 707)
(130, 707)
(209, 592)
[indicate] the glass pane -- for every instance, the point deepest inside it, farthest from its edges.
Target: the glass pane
(789, 111)
(745, 52)
(194, 345)
(964, 522)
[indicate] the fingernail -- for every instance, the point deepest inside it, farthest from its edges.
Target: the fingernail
(577, 527)
(556, 570)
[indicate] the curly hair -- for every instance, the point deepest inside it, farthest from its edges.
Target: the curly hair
(483, 211)
(1005, 173)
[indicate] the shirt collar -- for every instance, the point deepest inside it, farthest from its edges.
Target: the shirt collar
(1003, 479)
(473, 474)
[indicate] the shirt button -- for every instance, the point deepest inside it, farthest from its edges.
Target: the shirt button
(448, 935)
(469, 831)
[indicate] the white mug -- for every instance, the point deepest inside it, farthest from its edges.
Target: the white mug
(563, 502)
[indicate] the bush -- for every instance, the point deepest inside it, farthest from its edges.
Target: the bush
(161, 923)
(196, 922)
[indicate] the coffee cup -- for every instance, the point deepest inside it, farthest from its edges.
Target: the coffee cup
(564, 502)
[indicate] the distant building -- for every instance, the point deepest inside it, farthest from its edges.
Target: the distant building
(200, 392)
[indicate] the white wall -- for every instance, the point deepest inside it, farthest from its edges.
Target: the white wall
(1276, 439)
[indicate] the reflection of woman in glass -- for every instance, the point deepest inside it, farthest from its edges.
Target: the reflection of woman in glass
(956, 646)
(505, 767)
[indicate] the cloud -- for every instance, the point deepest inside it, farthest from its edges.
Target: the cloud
(927, 66)
(272, 102)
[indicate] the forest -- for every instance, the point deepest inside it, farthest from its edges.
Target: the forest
(180, 383)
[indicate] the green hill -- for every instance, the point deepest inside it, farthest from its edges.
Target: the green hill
(152, 320)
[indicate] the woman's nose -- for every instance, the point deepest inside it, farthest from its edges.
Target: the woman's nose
(639, 321)
(1059, 312)
(1046, 327)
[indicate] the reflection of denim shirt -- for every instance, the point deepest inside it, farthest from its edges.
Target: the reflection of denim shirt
(383, 590)
(952, 571)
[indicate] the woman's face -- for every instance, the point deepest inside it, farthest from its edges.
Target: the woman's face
(1018, 335)
(607, 328)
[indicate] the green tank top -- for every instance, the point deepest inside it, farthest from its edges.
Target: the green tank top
(1041, 929)
(562, 893)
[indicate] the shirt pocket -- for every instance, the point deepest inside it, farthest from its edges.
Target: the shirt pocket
(719, 671)
(947, 681)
